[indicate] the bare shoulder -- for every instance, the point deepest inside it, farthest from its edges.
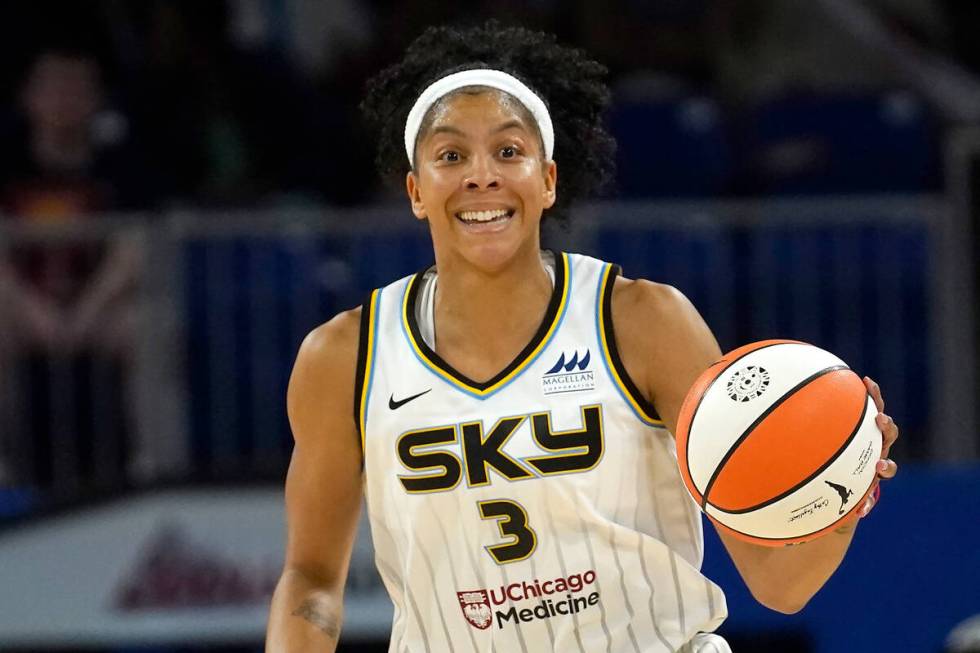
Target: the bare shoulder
(639, 293)
(321, 387)
(662, 340)
(332, 339)
(641, 308)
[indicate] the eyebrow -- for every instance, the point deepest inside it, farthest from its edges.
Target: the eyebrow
(510, 124)
(449, 129)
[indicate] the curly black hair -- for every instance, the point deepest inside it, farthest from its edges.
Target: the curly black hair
(567, 79)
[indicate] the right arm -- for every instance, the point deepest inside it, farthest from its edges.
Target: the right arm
(323, 491)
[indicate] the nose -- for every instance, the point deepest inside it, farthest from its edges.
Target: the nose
(483, 173)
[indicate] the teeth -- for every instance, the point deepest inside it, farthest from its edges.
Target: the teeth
(482, 216)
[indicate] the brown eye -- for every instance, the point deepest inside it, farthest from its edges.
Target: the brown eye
(508, 152)
(451, 156)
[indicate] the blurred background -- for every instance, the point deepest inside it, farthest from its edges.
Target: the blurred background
(186, 190)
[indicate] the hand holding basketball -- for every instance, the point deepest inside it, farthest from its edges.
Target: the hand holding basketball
(779, 442)
(886, 467)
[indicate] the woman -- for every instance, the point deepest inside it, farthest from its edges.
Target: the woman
(513, 408)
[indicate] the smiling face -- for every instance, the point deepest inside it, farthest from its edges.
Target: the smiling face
(481, 180)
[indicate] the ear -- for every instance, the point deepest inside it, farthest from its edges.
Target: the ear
(550, 184)
(414, 196)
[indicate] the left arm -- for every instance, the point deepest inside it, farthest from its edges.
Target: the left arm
(664, 368)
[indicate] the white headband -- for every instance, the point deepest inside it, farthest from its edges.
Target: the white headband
(479, 77)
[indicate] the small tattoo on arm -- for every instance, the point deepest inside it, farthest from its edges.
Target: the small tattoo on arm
(319, 616)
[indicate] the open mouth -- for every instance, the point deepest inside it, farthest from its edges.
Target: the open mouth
(484, 217)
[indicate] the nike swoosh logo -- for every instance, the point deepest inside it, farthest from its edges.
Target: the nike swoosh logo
(394, 405)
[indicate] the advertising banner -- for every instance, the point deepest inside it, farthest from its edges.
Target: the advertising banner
(180, 566)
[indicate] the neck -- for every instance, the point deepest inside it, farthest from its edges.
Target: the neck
(483, 319)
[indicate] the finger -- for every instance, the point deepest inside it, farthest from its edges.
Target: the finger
(869, 503)
(887, 468)
(889, 432)
(871, 500)
(875, 391)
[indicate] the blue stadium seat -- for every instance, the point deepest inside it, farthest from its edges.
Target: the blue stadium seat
(380, 258)
(249, 302)
(839, 144)
(676, 148)
(830, 285)
(16, 501)
(696, 262)
(244, 323)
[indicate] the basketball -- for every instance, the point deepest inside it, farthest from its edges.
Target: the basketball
(777, 442)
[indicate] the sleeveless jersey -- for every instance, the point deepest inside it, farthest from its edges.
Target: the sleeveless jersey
(541, 510)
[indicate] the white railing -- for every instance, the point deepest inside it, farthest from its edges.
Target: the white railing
(224, 300)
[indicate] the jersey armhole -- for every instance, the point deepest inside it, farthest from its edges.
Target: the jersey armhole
(366, 343)
(643, 408)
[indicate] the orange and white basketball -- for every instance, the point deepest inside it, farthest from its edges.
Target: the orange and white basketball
(777, 442)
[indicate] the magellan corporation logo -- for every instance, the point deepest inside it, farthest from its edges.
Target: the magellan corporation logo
(571, 376)
(574, 594)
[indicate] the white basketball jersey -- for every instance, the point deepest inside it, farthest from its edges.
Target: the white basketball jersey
(542, 510)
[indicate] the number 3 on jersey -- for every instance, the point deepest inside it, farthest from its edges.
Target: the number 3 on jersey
(512, 523)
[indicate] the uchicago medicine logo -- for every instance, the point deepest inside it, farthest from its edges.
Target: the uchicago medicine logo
(476, 608)
(558, 597)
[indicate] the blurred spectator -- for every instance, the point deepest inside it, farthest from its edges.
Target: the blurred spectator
(766, 48)
(920, 58)
(237, 122)
(313, 35)
(68, 322)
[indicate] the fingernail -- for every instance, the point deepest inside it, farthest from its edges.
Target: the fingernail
(882, 465)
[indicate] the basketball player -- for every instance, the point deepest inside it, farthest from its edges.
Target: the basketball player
(507, 413)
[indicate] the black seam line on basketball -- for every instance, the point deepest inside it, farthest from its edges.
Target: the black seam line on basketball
(550, 315)
(758, 420)
(394, 404)
(362, 354)
(631, 388)
(687, 444)
(828, 463)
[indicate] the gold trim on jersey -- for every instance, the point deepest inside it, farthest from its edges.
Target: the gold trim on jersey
(603, 302)
(541, 339)
(368, 368)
